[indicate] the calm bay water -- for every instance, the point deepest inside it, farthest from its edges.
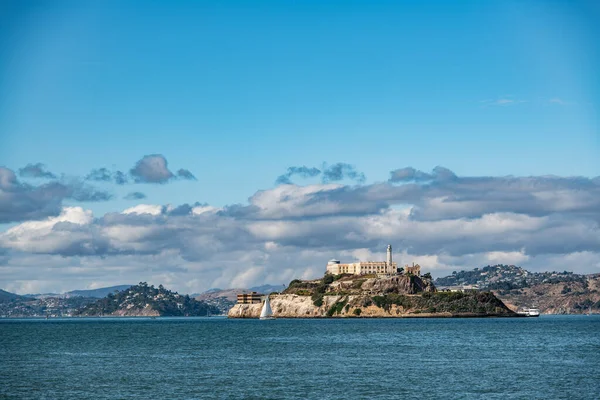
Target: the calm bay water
(551, 357)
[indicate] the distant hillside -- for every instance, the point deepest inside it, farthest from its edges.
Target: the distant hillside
(576, 296)
(551, 292)
(42, 295)
(6, 297)
(266, 289)
(97, 293)
(16, 306)
(146, 300)
(224, 299)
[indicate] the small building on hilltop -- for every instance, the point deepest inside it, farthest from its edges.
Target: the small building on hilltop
(414, 270)
(249, 298)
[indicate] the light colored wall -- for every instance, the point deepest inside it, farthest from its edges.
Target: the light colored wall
(362, 267)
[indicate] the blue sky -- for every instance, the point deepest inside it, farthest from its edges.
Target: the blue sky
(237, 92)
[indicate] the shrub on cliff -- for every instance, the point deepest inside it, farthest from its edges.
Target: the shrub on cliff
(317, 299)
(457, 302)
(337, 307)
(387, 300)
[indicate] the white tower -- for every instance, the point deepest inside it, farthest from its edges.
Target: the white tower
(389, 260)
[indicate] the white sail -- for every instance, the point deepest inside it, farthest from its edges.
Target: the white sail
(266, 312)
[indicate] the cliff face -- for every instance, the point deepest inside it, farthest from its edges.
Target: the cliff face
(392, 305)
(401, 284)
(361, 284)
(294, 306)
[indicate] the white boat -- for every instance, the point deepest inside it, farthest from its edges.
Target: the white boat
(266, 312)
(529, 312)
(534, 312)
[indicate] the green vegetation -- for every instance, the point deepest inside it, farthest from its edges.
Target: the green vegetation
(387, 300)
(408, 294)
(585, 305)
(317, 299)
(143, 297)
(328, 278)
(318, 293)
(337, 307)
(357, 284)
(452, 302)
(457, 302)
(315, 289)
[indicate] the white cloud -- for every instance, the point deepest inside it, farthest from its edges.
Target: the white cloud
(198, 210)
(41, 236)
(144, 209)
(293, 201)
(507, 257)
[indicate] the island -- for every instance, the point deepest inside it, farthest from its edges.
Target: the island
(372, 289)
(145, 300)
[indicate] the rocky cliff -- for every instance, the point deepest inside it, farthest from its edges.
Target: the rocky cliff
(363, 296)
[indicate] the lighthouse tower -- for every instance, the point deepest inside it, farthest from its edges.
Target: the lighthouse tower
(389, 260)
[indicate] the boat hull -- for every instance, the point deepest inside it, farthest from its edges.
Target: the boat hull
(529, 312)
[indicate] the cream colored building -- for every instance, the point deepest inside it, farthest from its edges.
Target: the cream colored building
(415, 269)
(388, 267)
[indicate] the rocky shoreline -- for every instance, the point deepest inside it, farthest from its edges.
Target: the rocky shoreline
(252, 311)
(373, 297)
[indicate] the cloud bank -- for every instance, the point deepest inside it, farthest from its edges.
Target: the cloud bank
(437, 218)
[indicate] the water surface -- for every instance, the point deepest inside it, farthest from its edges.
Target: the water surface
(551, 357)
